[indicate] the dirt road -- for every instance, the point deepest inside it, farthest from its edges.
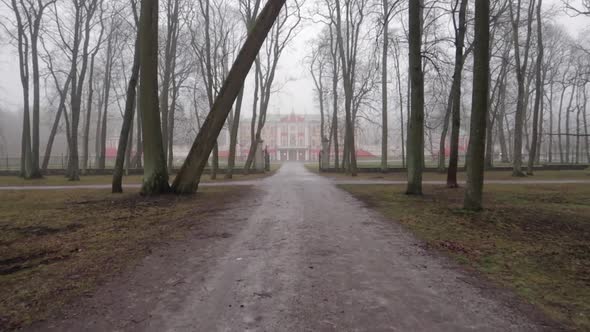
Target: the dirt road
(300, 255)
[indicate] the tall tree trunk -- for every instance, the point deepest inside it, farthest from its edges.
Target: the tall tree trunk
(26, 165)
(169, 64)
(253, 143)
(139, 143)
(442, 164)
(559, 126)
(500, 130)
(587, 138)
(126, 128)
(334, 57)
(35, 172)
(62, 104)
(401, 105)
(171, 122)
(539, 90)
(492, 117)
(106, 96)
(416, 123)
(550, 102)
(187, 179)
(129, 150)
(97, 140)
(87, 120)
(577, 155)
(384, 124)
(521, 70)
(78, 77)
(456, 91)
(348, 62)
(155, 178)
(509, 133)
(541, 121)
(233, 139)
(567, 123)
(481, 72)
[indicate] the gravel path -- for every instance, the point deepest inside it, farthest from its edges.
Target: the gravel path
(298, 255)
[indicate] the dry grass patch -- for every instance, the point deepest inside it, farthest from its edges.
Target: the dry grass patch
(58, 245)
(58, 180)
(533, 239)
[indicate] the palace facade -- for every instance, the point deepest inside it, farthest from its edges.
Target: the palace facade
(294, 137)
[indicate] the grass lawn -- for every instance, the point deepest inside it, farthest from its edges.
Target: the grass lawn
(492, 175)
(59, 246)
(58, 180)
(533, 239)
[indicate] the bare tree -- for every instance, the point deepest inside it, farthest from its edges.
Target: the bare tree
(28, 25)
(521, 70)
(172, 33)
(155, 178)
(74, 34)
(317, 70)
(111, 52)
(477, 137)
(188, 177)
(455, 100)
(282, 33)
(538, 90)
(415, 148)
(89, 101)
(124, 140)
(63, 94)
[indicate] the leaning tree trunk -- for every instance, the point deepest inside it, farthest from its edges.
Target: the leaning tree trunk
(49, 147)
(50, 140)
(117, 185)
(155, 178)
(416, 124)
(188, 177)
(477, 137)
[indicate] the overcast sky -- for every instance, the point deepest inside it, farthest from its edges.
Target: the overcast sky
(297, 94)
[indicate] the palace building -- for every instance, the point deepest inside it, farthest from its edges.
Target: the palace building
(294, 137)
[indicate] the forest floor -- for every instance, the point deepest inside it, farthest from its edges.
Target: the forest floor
(60, 246)
(298, 254)
(533, 239)
(295, 252)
